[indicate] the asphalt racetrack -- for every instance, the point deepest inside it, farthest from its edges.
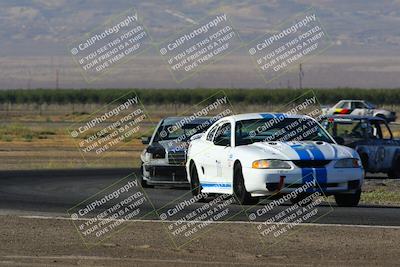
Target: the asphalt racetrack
(53, 192)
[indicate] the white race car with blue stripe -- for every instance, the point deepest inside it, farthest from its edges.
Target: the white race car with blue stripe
(257, 155)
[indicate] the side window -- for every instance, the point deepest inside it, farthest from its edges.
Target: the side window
(375, 131)
(210, 134)
(379, 130)
(330, 126)
(223, 135)
(338, 105)
(351, 131)
(357, 105)
(344, 104)
(386, 133)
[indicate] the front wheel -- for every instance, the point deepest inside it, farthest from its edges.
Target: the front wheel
(142, 181)
(195, 186)
(348, 200)
(243, 197)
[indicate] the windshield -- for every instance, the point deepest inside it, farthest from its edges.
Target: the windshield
(170, 131)
(288, 129)
(370, 105)
(356, 130)
(350, 130)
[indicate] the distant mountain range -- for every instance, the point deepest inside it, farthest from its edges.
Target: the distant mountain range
(365, 24)
(39, 31)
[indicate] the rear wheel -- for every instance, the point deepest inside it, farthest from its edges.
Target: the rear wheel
(348, 200)
(239, 188)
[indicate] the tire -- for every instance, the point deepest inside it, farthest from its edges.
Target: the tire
(394, 173)
(239, 188)
(195, 186)
(348, 200)
(142, 181)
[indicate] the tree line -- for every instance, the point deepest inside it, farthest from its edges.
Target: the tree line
(193, 96)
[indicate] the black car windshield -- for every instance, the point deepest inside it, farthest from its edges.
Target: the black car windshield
(174, 130)
(287, 129)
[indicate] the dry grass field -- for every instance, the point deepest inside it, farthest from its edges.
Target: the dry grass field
(37, 137)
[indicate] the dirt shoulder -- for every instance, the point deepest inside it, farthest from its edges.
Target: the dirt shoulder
(381, 191)
(40, 242)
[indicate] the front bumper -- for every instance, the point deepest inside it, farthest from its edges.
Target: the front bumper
(262, 182)
(166, 174)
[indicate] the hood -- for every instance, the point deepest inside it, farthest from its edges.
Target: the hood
(302, 150)
(381, 111)
(174, 145)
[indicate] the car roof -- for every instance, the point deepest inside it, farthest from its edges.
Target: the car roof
(250, 116)
(186, 120)
(353, 100)
(354, 117)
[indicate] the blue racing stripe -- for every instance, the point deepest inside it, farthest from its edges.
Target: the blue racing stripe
(226, 185)
(322, 178)
(273, 115)
(301, 151)
(317, 154)
(279, 115)
(266, 115)
(308, 173)
(320, 173)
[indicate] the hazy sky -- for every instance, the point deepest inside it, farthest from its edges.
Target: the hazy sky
(36, 38)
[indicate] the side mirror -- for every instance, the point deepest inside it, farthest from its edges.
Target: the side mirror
(145, 140)
(222, 142)
(196, 136)
(339, 140)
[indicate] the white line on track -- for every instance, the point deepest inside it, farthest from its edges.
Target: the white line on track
(226, 222)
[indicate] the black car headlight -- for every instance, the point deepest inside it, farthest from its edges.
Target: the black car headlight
(157, 151)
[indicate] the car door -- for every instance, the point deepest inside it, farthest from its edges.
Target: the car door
(380, 146)
(343, 107)
(206, 163)
(358, 108)
(221, 155)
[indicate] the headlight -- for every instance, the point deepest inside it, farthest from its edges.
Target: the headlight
(348, 163)
(270, 164)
